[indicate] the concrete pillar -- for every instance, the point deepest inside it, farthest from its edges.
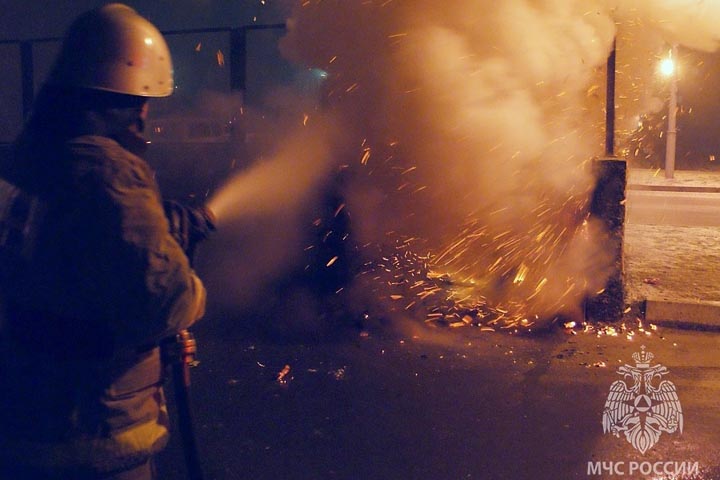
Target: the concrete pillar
(608, 205)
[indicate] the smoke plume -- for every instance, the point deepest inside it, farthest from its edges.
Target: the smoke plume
(468, 127)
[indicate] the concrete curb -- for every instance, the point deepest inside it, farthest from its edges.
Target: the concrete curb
(674, 188)
(684, 314)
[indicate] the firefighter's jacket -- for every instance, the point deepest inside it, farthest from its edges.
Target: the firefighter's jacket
(91, 281)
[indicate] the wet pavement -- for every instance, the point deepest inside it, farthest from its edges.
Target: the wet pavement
(435, 404)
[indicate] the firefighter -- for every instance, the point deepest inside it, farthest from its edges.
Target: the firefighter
(91, 279)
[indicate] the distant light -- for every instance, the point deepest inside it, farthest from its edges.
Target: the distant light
(667, 67)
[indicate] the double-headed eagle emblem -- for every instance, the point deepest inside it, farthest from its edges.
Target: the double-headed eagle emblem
(642, 410)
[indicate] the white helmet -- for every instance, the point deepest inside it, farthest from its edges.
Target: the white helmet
(114, 49)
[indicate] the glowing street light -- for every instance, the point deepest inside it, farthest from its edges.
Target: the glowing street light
(668, 69)
(667, 66)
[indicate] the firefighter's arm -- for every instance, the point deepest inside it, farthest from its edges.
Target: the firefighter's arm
(172, 297)
(188, 308)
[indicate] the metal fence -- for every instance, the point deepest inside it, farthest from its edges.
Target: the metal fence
(244, 61)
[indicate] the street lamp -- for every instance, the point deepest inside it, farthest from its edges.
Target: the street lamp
(668, 68)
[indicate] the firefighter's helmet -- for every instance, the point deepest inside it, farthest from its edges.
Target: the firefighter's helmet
(114, 49)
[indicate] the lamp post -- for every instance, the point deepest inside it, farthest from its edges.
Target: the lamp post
(668, 68)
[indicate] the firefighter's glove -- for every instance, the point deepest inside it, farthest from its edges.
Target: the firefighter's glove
(189, 225)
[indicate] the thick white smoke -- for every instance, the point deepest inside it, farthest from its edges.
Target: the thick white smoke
(469, 126)
(479, 130)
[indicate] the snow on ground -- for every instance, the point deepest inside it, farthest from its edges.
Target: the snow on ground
(665, 262)
(672, 263)
(681, 178)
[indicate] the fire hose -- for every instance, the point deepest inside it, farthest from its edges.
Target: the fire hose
(179, 353)
(188, 226)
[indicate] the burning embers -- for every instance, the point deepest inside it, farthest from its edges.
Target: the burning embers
(477, 120)
(407, 283)
(494, 281)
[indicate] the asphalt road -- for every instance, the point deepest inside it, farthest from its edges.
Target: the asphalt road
(689, 209)
(438, 405)
(403, 401)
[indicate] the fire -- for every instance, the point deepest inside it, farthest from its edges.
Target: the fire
(471, 190)
(521, 273)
